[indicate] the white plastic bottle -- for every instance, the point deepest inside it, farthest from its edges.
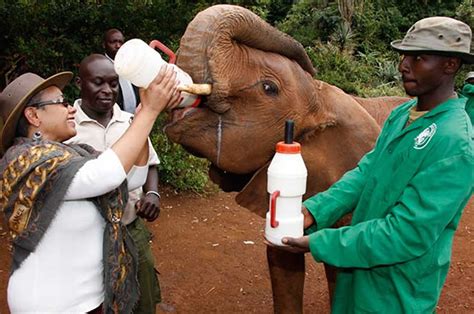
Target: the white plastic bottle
(286, 184)
(139, 63)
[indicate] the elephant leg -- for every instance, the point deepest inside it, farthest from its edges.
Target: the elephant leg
(331, 273)
(287, 272)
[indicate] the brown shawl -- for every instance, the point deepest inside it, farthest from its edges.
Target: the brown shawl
(35, 176)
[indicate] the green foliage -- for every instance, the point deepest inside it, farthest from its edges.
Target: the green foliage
(377, 27)
(358, 57)
(465, 12)
(278, 10)
(178, 168)
(307, 22)
(50, 36)
(361, 74)
(343, 37)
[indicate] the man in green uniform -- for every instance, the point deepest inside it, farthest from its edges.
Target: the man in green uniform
(468, 91)
(407, 195)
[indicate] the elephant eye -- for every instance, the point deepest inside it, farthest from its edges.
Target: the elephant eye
(270, 88)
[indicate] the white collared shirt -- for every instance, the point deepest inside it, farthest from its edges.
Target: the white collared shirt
(91, 132)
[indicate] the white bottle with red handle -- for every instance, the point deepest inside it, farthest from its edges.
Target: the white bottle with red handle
(140, 63)
(286, 184)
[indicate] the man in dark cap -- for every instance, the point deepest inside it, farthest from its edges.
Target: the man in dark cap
(468, 92)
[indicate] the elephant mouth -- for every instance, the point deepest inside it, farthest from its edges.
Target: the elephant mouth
(228, 181)
(178, 114)
(177, 121)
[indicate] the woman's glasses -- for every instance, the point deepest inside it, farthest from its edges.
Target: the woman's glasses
(41, 104)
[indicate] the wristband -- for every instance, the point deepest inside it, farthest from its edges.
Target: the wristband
(154, 193)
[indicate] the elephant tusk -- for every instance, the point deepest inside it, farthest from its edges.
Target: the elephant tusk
(197, 89)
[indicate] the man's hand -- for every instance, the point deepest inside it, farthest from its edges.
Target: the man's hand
(308, 218)
(293, 245)
(148, 207)
(298, 245)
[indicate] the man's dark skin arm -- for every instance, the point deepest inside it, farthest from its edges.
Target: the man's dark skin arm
(148, 207)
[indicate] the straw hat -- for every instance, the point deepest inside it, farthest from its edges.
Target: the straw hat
(438, 35)
(16, 95)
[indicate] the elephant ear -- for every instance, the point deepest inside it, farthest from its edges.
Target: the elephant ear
(330, 147)
(254, 195)
(326, 161)
(319, 151)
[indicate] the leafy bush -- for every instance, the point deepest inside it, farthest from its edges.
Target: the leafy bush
(178, 168)
(465, 12)
(343, 37)
(308, 22)
(358, 74)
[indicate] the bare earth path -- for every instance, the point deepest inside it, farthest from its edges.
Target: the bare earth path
(212, 260)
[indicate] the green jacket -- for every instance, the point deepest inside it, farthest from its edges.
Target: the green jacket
(468, 91)
(407, 194)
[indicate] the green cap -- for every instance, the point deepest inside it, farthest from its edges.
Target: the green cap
(438, 35)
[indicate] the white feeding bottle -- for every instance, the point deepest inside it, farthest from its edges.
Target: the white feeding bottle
(286, 184)
(139, 63)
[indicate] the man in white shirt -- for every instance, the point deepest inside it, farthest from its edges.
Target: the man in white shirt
(128, 96)
(100, 123)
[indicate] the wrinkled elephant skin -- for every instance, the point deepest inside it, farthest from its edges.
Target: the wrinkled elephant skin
(261, 77)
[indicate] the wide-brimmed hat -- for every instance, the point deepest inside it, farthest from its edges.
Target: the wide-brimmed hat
(469, 76)
(16, 95)
(438, 35)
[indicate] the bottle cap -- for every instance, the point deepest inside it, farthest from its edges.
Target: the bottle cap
(283, 148)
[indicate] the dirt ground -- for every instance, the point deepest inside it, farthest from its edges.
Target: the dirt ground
(211, 256)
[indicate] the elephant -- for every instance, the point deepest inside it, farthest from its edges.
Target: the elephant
(261, 77)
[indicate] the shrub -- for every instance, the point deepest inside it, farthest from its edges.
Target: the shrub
(371, 74)
(178, 168)
(308, 22)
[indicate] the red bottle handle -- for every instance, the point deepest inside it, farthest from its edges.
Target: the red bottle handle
(273, 222)
(157, 44)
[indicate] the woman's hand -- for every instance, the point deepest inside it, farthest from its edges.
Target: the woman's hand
(162, 93)
(132, 147)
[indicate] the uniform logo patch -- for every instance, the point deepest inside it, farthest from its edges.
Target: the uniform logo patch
(425, 137)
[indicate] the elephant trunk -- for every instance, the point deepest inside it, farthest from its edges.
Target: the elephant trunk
(212, 33)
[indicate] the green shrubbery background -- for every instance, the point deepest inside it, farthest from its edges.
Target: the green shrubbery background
(347, 41)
